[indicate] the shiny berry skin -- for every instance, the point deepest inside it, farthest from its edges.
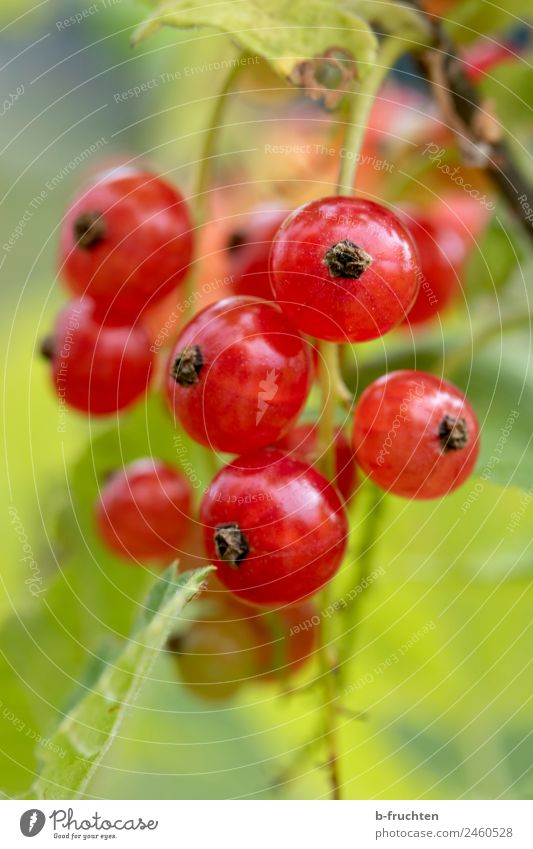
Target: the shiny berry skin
(415, 435)
(275, 528)
(143, 511)
(344, 269)
(302, 442)
(97, 369)
(215, 658)
(126, 242)
(239, 375)
(249, 250)
(442, 254)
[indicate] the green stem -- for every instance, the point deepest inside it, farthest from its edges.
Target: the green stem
(204, 175)
(363, 566)
(329, 696)
(360, 106)
(332, 385)
(203, 180)
(329, 367)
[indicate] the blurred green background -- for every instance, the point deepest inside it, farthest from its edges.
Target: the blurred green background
(451, 716)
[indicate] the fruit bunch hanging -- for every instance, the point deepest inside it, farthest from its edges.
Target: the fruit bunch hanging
(256, 379)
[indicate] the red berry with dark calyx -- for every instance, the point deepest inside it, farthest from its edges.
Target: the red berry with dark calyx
(143, 511)
(275, 527)
(97, 369)
(239, 375)
(249, 251)
(415, 435)
(126, 242)
(302, 442)
(344, 269)
(442, 255)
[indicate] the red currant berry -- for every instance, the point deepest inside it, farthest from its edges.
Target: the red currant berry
(415, 435)
(126, 242)
(215, 658)
(275, 527)
(442, 254)
(239, 375)
(302, 442)
(249, 250)
(344, 269)
(143, 511)
(97, 369)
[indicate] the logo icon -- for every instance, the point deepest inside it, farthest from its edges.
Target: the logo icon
(267, 392)
(32, 822)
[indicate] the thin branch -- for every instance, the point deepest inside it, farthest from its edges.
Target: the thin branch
(479, 134)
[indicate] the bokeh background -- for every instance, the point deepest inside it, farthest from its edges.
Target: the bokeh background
(438, 701)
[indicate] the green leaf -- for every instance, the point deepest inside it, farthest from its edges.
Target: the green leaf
(470, 19)
(86, 733)
(508, 87)
(398, 19)
(440, 670)
(493, 260)
(285, 34)
(498, 381)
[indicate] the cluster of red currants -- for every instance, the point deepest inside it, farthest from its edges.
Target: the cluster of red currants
(337, 270)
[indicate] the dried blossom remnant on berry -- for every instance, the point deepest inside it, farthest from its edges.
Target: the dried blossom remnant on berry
(187, 366)
(230, 544)
(344, 259)
(453, 433)
(47, 347)
(236, 240)
(89, 229)
(327, 76)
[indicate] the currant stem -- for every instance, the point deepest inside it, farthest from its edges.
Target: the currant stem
(203, 177)
(363, 565)
(327, 669)
(361, 103)
(330, 385)
(204, 181)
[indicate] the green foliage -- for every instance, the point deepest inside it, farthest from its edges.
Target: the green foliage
(508, 87)
(394, 18)
(88, 730)
(285, 34)
(470, 19)
(493, 260)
